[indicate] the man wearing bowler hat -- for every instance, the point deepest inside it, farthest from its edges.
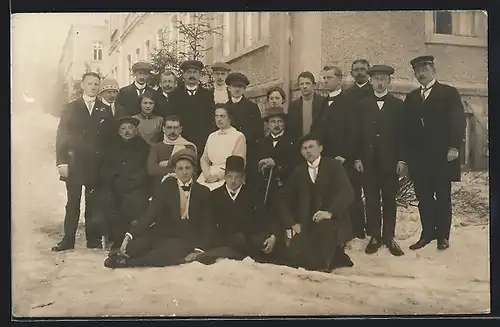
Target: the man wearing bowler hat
(177, 226)
(244, 227)
(246, 114)
(128, 97)
(220, 71)
(194, 105)
(379, 158)
(125, 190)
(435, 128)
(277, 155)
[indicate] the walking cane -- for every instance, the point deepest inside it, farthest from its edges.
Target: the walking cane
(268, 184)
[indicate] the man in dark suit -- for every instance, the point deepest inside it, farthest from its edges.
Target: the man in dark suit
(178, 225)
(380, 158)
(318, 196)
(435, 128)
(361, 88)
(246, 114)
(244, 227)
(125, 190)
(168, 83)
(276, 154)
(220, 71)
(194, 105)
(305, 112)
(83, 136)
(339, 130)
(128, 97)
(108, 91)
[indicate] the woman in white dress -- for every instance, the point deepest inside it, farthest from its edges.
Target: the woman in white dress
(221, 144)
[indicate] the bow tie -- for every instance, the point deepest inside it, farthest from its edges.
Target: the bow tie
(191, 92)
(381, 98)
(186, 188)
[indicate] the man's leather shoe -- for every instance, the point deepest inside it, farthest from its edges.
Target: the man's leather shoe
(443, 244)
(61, 246)
(420, 244)
(372, 246)
(394, 248)
(341, 260)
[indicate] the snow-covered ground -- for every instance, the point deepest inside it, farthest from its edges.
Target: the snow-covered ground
(75, 283)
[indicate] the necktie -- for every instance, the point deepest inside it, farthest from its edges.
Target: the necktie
(90, 105)
(140, 91)
(424, 90)
(315, 173)
(191, 92)
(186, 188)
(275, 139)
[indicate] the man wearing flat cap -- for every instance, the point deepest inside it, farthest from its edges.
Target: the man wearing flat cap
(277, 155)
(318, 197)
(194, 105)
(220, 71)
(128, 97)
(177, 226)
(244, 227)
(435, 129)
(246, 114)
(124, 192)
(379, 158)
(108, 92)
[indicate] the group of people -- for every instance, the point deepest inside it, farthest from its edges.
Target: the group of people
(183, 173)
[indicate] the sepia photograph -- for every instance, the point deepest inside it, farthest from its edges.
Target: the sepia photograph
(209, 164)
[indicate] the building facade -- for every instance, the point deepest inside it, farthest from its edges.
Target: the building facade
(272, 48)
(86, 47)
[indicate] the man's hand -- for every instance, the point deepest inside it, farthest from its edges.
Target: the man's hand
(321, 215)
(452, 154)
(63, 170)
(163, 163)
(358, 165)
(212, 178)
(296, 229)
(401, 168)
(341, 159)
(190, 257)
(266, 164)
(123, 247)
(269, 244)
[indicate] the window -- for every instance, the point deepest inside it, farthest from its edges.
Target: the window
(129, 63)
(137, 55)
(97, 55)
(459, 27)
(242, 32)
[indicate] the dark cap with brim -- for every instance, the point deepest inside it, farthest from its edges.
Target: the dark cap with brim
(196, 64)
(309, 137)
(128, 119)
(380, 69)
(237, 79)
(235, 163)
(142, 66)
(275, 112)
(221, 66)
(418, 61)
(185, 154)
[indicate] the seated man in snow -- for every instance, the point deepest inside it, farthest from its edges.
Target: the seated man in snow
(244, 228)
(124, 193)
(177, 226)
(161, 152)
(318, 195)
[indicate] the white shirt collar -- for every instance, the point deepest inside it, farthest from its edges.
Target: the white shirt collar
(237, 191)
(109, 104)
(86, 98)
(191, 88)
(281, 133)
(188, 183)
(165, 94)
(139, 86)
(361, 85)
(335, 93)
(314, 164)
(431, 83)
(236, 100)
(379, 95)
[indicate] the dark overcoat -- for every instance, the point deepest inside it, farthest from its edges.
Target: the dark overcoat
(294, 118)
(129, 98)
(248, 120)
(431, 128)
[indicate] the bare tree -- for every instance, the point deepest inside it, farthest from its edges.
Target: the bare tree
(190, 45)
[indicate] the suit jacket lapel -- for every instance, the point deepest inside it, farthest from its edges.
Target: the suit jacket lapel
(175, 200)
(83, 106)
(317, 106)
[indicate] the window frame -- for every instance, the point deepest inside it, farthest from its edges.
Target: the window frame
(460, 40)
(98, 49)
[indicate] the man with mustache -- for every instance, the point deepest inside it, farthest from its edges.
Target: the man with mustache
(220, 71)
(123, 195)
(168, 83)
(194, 105)
(160, 153)
(362, 88)
(108, 92)
(83, 135)
(128, 97)
(434, 131)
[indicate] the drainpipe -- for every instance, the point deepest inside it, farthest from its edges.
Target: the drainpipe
(286, 55)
